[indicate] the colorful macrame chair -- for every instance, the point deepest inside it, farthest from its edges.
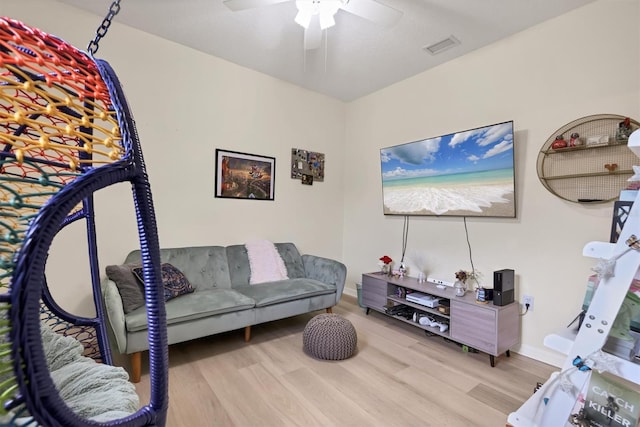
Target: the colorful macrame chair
(65, 132)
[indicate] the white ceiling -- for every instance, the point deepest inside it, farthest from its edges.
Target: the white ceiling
(358, 58)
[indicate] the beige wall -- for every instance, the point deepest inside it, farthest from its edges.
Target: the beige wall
(186, 104)
(542, 78)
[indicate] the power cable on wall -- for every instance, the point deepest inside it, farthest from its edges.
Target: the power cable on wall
(466, 232)
(405, 237)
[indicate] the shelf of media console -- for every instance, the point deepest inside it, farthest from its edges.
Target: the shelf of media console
(423, 308)
(420, 307)
(432, 329)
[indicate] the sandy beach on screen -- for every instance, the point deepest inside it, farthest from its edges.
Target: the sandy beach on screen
(480, 200)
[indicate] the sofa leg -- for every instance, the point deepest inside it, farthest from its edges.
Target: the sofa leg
(136, 366)
(247, 333)
(329, 310)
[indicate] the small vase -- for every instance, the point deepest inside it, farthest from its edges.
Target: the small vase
(460, 288)
(386, 269)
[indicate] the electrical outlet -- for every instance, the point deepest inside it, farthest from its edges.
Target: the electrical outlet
(527, 299)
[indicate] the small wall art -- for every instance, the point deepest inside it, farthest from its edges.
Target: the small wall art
(307, 166)
(307, 179)
(244, 176)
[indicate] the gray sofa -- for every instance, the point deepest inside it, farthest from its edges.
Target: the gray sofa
(223, 300)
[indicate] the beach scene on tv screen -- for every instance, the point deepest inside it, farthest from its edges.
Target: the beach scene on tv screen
(468, 173)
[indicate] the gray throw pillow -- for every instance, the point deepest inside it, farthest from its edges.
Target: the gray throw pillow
(130, 288)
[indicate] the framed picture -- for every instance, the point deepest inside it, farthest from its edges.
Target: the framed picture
(304, 162)
(244, 176)
(307, 179)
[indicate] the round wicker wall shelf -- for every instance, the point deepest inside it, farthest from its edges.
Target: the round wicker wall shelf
(594, 166)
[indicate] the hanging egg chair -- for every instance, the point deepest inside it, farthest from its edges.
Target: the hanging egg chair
(66, 132)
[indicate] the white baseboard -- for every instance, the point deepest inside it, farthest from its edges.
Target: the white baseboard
(546, 356)
(351, 292)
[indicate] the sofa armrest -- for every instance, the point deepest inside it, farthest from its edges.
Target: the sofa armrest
(115, 313)
(327, 271)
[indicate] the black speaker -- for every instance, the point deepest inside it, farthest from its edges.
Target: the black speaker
(503, 290)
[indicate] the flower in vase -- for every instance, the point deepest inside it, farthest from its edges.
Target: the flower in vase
(385, 264)
(463, 276)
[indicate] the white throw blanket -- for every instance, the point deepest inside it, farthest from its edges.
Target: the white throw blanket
(265, 262)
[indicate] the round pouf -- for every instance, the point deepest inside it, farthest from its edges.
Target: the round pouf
(329, 337)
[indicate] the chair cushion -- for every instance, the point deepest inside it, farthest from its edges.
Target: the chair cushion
(285, 290)
(193, 306)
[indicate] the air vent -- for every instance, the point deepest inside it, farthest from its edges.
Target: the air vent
(442, 45)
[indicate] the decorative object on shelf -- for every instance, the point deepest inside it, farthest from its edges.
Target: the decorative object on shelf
(624, 130)
(611, 166)
(483, 295)
(577, 172)
(559, 143)
(385, 264)
(598, 140)
(463, 276)
(402, 270)
(244, 176)
(460, 287)
(419, 260)
(575, 140)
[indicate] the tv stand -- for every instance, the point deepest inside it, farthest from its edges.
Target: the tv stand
(488, 328)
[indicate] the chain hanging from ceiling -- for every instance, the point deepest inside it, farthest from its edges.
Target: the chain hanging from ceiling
(103, 28)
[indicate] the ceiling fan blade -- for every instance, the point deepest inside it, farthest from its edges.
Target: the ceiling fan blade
(373, 11)
(249, 4)
(313, 34)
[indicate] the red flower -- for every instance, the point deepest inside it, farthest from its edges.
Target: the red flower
(385, 259)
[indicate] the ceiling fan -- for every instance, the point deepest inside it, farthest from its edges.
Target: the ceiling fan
(317, 15)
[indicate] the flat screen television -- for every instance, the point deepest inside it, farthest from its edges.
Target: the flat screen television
(468, 173)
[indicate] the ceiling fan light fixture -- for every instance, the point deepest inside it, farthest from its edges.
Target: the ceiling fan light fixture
(303, 18)
(325, 9)
(326, 21)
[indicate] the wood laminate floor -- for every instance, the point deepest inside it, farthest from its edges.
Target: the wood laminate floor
(398, 377)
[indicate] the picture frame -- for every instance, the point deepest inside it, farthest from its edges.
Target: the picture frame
(305, 162)
(307, 179)
(244, 176)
